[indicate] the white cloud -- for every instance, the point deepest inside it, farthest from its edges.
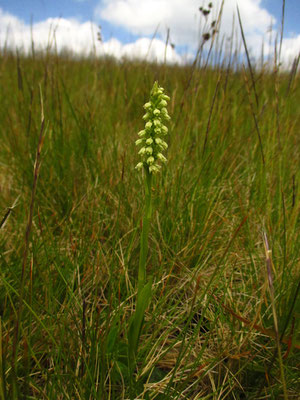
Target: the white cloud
(143, 17)
(148, 49)
(290, 48)
(56, 33)
(78, 38)
(182, 17)
(142, 49)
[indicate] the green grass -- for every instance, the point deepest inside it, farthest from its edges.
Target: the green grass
(232, 177)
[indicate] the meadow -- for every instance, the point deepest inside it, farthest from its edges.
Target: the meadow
(224, 242)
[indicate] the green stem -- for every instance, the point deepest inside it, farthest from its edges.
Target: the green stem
(145, 233)
(144, 290)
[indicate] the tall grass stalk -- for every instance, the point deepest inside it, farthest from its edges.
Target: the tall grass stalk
(275, 319)
(2, 374)
(18, 321)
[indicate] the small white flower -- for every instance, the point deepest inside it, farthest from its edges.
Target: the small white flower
(161, 157)
(164, 144)
(139, 166)
(142, 151)
(154, 168)
(139, 141)
(161, 143)
(150, 160)
(149, 150)
(163, 103)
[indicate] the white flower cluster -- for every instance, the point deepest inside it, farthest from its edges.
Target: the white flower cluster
(151, 138)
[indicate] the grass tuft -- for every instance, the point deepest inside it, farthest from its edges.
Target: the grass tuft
(215, 328)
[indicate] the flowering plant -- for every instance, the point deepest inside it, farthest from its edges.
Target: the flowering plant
(153, 144)
(151, 138)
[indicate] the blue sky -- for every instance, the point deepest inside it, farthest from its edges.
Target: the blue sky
(83, 10)
(130, 22)
(292, 14)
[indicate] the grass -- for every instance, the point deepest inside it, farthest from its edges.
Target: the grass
(223, 322)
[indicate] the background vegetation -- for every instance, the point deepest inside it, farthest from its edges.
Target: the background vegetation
(223, 305)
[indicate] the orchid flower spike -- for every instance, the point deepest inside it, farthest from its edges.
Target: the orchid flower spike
(151, 137)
